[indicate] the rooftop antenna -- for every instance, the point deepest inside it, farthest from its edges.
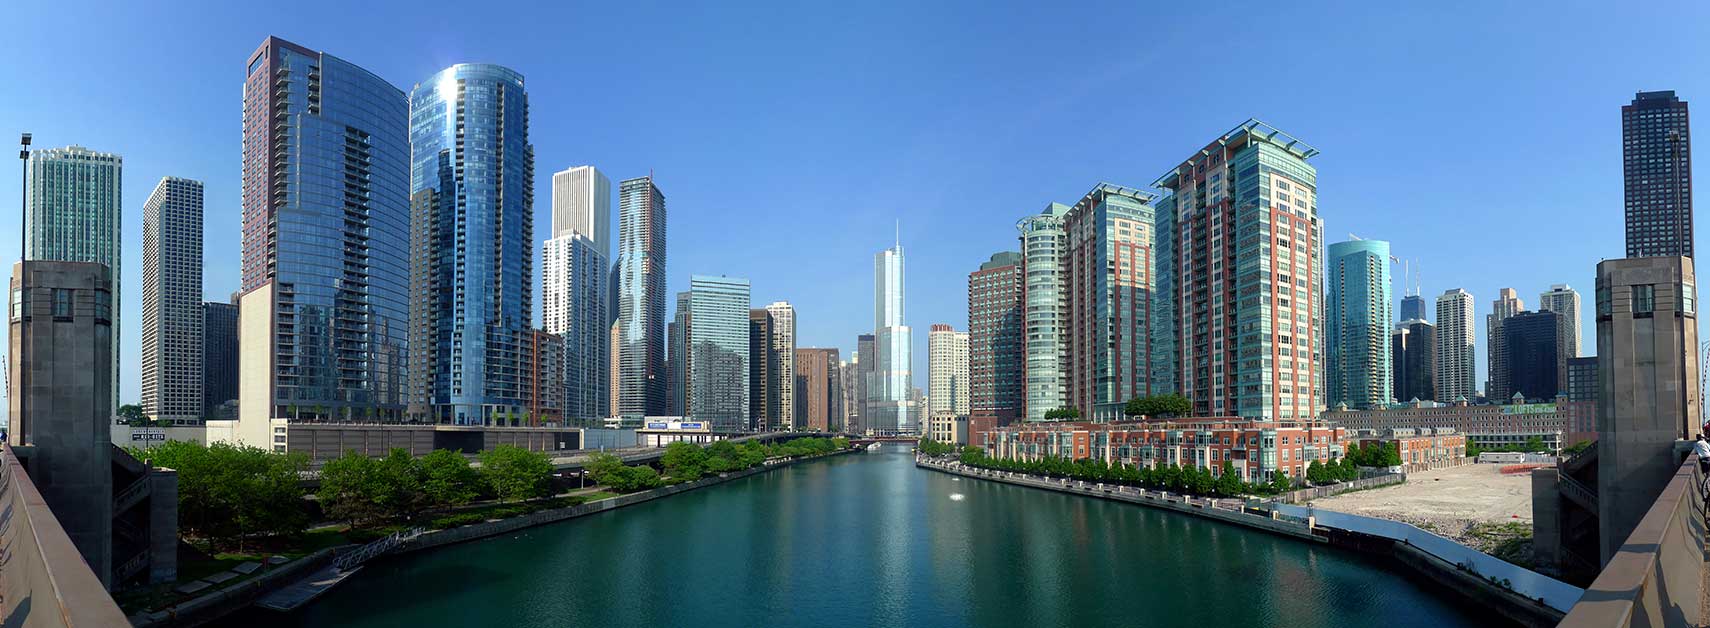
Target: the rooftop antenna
(899, 234)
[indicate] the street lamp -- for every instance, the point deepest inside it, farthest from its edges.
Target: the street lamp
(23, 191)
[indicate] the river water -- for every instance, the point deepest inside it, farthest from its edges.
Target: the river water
(869, 540)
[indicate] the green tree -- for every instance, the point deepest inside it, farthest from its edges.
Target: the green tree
(1280, 482)
(227, 493)
(352, 489)
(515, 473)
(684, 461)
(133, 415)
(1158, 406)
(1062, 414)
(1228, 483)
(601, 467)
(634, 478)
(447, 478)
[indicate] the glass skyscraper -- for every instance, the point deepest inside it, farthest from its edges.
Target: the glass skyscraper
(1656, 163)
(1045, 311)
(573, 305)
(716, 367)
(172, 302)
(326, 238)
(1356, 313)
(893, 377)
(640, 286)
(73, 214)
(472, 195)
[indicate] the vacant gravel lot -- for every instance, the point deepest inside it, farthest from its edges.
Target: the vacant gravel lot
(1450, 502)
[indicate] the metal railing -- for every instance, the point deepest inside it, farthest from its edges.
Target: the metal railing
(375, 548)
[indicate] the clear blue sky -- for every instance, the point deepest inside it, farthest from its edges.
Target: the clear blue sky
(1481, 139)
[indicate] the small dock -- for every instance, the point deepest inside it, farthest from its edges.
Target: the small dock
(305, 590)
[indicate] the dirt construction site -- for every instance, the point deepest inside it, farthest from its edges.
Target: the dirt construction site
(1475, 504)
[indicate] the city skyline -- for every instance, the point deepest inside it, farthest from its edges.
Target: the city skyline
(939, 265)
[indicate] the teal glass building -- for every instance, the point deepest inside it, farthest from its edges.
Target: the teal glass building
(472, 198)
(715, 375)
(1357, 314)
(73, 214)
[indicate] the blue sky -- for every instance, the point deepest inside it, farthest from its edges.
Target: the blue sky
(1481, 139)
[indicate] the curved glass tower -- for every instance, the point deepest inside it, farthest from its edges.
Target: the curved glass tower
(472, 199)
(1356, 316)
(1044, 311)
(326, 228)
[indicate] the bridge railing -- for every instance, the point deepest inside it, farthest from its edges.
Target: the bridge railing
(46, 581)
(1653, 579)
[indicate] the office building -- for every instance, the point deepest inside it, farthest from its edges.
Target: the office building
(472, 193)
(219, 358)
(172, 302)
(73, 213)
(1582, 379)
(888, 402)
(1647, 385)
(582, 203)
(995, 356)
(573, 306)
(1498, 387)
(1413, 353)
(761, 364)
(1535, 370)
(324, 298)
(1110, 279)
(1563, 299)
(1356, 315)
(1413, 308)
(947, 370)
(1456, 360)
(715, 376)
(781, 407)
(641, 298)
(1045, 311)
(1656, 165)
(1246, 280)
(677, 362)
(863, 380)
(819, 395)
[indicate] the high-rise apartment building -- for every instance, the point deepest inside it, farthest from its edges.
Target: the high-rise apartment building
(219, 356)
(677, 361)
(1647, 373)
(1413, 351)
(582, 203)
(172, 302)
(715, 379)
(1535, 367)
(1457, 349)
(1246, 277)
(1109, 268)
(1413, 308)
(1582, 379)
(947, 370)
(472, 193)
(863, 381)
(893, 343)
(1656, 163)
(818, 396)
(73, 213)
(995, 358)
(573, 306)
(781, 377)
(1563, 299)
(1507, 304)
(325, 291)
(1045, 311)
(761, 365)
(541, 369)
(1356, 317)
(641, 298)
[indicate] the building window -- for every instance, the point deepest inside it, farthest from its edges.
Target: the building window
(1644, 298)
(61, 303)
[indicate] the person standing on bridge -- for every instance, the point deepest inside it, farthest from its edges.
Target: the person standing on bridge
(1701, 447)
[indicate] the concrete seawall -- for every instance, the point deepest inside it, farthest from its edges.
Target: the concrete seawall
(1507, 603)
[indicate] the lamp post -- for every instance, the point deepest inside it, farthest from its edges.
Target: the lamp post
(23, 192)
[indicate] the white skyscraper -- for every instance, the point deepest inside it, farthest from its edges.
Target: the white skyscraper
(1457, 365)
(1564, 300)
(582, 203)
(573, 305)
(172, 302)
(783, 347)
(947, 371)
(893, 377)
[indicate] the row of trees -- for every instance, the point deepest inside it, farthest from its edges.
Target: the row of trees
(687, 462)
(1190, 480)
(1158, 406)
(227, 493)
(1532, 445)
(366, 491)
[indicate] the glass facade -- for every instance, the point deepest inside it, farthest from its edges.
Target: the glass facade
(472, 193)
(893, 377)
(73, 214)
(219, 356)
(573, 306)
(1110, 270)
(1045, 310)
(326, 220)
(172, 302)
(716, 376)
(640, 299)
(1356, 314)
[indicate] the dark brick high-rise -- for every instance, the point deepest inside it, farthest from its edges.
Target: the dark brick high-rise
(995, 359)
(1656, 160)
